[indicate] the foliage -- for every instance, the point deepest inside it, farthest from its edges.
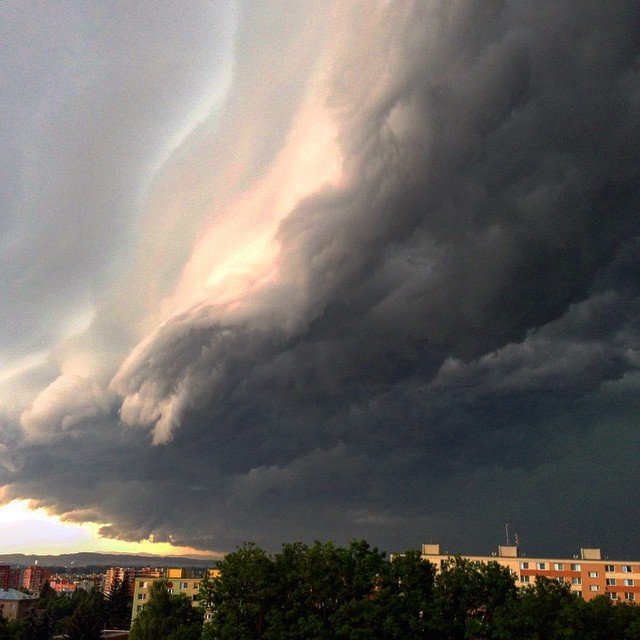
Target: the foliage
(314, 584)
(46, 591)
(60, 608)
(323, 591)
(404, 597)
(11, 629)
(85, 623)
(468, 596)
(38, 625)
(167, 617)
(118, 605)
(241, 595)
(320, 592)
(205, 594)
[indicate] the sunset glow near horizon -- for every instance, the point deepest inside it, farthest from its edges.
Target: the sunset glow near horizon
(34, 531)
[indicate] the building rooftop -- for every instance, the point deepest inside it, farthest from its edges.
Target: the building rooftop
(14, 594)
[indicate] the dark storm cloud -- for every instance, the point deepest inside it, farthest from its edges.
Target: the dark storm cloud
(478, 202)
(453, 333)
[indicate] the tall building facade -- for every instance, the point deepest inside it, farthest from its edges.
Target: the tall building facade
(10, 577)
(34, 577)
(122, 575)
(588, 574)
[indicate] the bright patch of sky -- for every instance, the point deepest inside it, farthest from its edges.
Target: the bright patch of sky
(24, 529)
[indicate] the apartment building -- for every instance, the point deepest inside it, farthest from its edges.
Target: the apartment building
(10, 577)
(34, 577)
(178, 582)
(123, 575)
(588, 574)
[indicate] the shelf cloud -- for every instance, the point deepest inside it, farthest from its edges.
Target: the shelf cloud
(382, 284)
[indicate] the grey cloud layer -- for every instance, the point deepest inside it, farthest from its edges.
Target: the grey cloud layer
(453, 336)
(91, 97)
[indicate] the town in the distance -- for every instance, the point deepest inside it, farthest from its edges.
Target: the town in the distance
(99, 602)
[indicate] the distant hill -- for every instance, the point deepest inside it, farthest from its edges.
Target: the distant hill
(89, 559)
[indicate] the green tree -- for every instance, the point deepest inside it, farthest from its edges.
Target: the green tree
(85, 623)
(405, 597)
(118, 605)
(542, 611)
(38, 625)
(205, 595)
(320, 592)
(330, 592)
(241, 596)
(61, 608)
(5, 632)
(47, 592)
(468, 597)
(167, 617)
(11, 629)
(308, 588)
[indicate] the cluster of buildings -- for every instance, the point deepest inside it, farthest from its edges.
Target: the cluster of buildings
(587, 574)
(31, 578)
(15, 603)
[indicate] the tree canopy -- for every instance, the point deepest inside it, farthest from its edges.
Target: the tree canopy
(118, 605)
(324, 592)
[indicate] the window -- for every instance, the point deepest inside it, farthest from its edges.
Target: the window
(139, 607)
(142, 596)
(609, 567)
(560, 579)
(576, 580)
(628, 582)
(611, 582)
(613, 595)
(524, 565)
(196, 585)
(593, 574)
(525, 579)
(143, 585)
(183, 585)
(575, 567)
(194, 597)
(630, 596)
(558, 566)
(594, 587)
(626, 568)
(170, 590)
(541, 565)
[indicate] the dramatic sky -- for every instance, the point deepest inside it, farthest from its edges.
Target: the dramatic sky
(303, 270)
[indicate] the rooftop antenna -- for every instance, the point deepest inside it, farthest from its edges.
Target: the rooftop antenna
(506, 528)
